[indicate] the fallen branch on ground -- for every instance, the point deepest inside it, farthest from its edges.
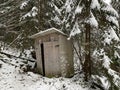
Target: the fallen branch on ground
(98, 86)
(9, 55)
(8, 62)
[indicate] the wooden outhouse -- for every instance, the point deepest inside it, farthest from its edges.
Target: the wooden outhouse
(54, 53)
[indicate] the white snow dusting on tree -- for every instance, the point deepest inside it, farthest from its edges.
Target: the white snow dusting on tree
(25, 3)
(109, 9)
(110, 35)
(31, 13)
(78, 9)
(95, 4)
(92, 20)
(113, 20)
(75, 30)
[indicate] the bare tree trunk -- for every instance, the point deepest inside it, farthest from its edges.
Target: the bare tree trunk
(87, 63)
(42, 8)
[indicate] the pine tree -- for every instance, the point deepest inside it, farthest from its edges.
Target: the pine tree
(19, 21)
(96, 19)
(8, 9)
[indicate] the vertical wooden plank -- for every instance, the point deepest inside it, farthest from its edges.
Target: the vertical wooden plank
(52, 67)
(38, 55)
(66, 57)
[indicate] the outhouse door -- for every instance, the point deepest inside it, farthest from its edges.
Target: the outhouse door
(51, 58)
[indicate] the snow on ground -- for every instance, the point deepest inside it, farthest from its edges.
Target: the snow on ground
(12, 78)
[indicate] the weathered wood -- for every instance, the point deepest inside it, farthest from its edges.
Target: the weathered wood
(52, 63)
(66, 56)
(58, 53)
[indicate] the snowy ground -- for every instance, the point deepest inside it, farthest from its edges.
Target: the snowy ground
(11, 78)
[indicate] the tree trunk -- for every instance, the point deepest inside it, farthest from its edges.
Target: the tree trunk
(87, 63)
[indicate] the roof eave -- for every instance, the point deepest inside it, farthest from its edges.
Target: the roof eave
(43, 33)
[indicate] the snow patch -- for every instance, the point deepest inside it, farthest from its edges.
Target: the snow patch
(107, 1)
(68, 5)
(32, 13)
(78, 9)
(113, 20)
(106, 61)
(95, 4)
(57, 9)
(111, 10)
(114, 35)
(109, 36)
(11, 79)
(68, 8)
(75, 30)
(117, 55)
(105, 82)
(57, 20)
(116, 77)
(93, 22)
(24, 4)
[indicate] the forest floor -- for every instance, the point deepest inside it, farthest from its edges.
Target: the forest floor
(13, 78)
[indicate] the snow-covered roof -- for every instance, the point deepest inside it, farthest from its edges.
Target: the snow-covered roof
(46, 32)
